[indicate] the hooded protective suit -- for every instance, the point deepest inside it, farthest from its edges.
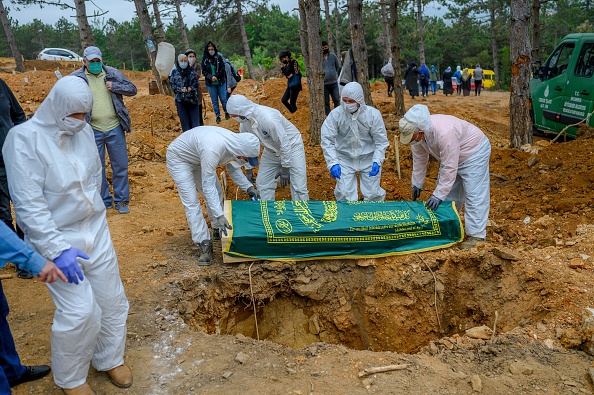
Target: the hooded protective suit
(192, 160)
(283, 147)
(54, 174)
(463, 151)
(355, 141)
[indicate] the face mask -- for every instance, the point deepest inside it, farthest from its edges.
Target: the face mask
(325, 51)
(95, 67)
(72, 125)
(241, 119)
(211, 53)
(191, 60)
(183, 65)
(351, 108)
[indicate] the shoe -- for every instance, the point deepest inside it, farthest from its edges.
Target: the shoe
(218, 119)
(227, 116)
(471, 242)
(205, 253)
(122, 207)
(216, 234)
(120, 376)
(31, 373)
(24, 273)
(84, 389)
(109, 205)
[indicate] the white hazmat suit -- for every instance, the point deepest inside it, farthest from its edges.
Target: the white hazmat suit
(192, 160)
(463, 151)
(54, 176)
(355, 141)
(283, 146)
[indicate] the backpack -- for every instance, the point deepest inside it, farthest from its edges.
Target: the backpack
(236, 75)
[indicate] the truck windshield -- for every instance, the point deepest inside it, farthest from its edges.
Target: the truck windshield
(558, 62)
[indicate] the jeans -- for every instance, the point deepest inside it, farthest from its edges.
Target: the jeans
(289, 99)
(217, 92)
(331, 90)
(12, 368)
(115, 142)
(433, 85)
(424, 88)
(390, 82)
(190, 116)
(477, 87)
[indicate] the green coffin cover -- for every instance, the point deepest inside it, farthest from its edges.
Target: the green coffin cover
(294, 230)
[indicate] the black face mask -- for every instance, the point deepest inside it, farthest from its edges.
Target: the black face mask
(325, 51)
(285, 61)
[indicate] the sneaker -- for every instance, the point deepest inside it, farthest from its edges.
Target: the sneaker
(216, 234)
(205, 253)
(218, 119)
(471, 242)
(122, 207)
(227, 116)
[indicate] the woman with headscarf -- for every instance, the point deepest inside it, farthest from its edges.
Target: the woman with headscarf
(465, 81)
(215, 76)
(290, 69)
(448, 89)
(411, 77)
(433, 79)
(195, 65)
(424, 79)
(458, 76)
(185, 87)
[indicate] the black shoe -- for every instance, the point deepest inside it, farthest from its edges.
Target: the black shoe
(227, 116)
(216, 234)
(32, 373)
(218, 119)
(24, 273)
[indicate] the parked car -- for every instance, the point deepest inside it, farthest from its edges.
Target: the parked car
(59, 54)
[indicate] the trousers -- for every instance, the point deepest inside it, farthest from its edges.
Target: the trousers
(270, 166)
(12, 368)
(217, 92)
(114, 141)
(190, 116)
(346, 186)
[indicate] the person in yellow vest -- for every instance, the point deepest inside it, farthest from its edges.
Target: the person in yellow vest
(110, 121)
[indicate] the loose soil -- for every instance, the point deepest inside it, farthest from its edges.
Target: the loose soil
(192, 329)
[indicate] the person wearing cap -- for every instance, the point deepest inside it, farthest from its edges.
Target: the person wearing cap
(283, 155)
(110, 122)
(463, 151)
(354, 141)
(192, 161)
(191, 54)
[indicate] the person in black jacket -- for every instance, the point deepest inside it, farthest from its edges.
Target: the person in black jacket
(213, 68)
(290, 68)
(185, 87)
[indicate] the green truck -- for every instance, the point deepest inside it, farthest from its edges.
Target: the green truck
(562, 88)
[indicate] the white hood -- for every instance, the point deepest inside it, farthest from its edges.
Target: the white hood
(241, 105)
(354, 90)
(419, 116)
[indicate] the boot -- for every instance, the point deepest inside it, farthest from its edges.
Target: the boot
(205, 253)
(120, 376)
(471, 242)
(84, 389)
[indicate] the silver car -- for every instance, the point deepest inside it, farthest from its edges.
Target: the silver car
(59, 54)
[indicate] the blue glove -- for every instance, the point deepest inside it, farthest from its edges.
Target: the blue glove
(335, 171)
(416, 193)
(433, 202)
(68, 264)
(285, 176)
(374, 169)
(253, 161)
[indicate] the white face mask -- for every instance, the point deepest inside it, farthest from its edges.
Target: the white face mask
(240, 119)
(183, 65)
(211, 53)
(191, 60)
(72, 125)
(351, 108)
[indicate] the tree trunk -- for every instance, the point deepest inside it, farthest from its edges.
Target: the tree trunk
(494, 46)
(386, 30)
(536, 30)
(421, 31)
(86, 34)
(309, 11)
(328, 26)
(18, 59)
(336, 29)
(355, 8)
(182, 25)
(160, 30)
(398, 88)
(520, 124)
(244, 40)
(147, 34)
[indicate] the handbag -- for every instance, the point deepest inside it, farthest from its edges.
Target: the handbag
(190, 98)
(294, 80)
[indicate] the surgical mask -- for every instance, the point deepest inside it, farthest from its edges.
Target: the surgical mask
(95, 67)
(191, 60)
(211, 53)
(183, 65)
(72, 125)
(351, 108)
(241, 119)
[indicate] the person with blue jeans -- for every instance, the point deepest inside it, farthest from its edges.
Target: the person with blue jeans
(215, 77)
(110, 121)
(13, 249)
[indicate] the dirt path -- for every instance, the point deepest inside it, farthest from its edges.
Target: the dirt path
(190, 328)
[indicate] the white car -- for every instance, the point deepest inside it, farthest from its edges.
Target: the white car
(59, 54)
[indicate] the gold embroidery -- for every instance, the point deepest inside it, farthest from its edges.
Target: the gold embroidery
(391, 215)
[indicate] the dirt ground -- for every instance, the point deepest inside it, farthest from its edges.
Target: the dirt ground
(192, 329)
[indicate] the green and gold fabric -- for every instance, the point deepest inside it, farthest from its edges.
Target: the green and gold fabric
(294, 230)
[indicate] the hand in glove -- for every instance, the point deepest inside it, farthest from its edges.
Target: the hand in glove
(68, 264)
(285, 177)
(375, 168)
(253, 193)
(416, 193)
(335, 171)
(223, 224)
(253, 161)
(433, 202)
(249, 174)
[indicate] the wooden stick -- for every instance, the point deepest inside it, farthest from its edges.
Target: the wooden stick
(382, 369)
(397, 152)
(5, 276)
(494, 326)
